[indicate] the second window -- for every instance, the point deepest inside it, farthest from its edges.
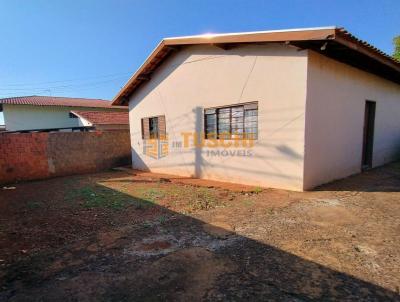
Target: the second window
(230, 122)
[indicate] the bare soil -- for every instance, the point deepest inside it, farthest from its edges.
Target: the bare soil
(127, 236)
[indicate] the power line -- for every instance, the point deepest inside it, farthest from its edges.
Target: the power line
(63, 86)
(12, 92)
(60, 90)
(69, 80)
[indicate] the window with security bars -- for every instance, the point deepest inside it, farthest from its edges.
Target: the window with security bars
(231, 122)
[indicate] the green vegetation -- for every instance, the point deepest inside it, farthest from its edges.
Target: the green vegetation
(396, 43)
(151, 194)
(202, 199)
(192, 198)
(98, 196)
(257, 190)
(162, 219)
(189, 198)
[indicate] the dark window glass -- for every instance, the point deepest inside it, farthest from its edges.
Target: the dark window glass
(211, 124)
(153, 125)
(237, 121)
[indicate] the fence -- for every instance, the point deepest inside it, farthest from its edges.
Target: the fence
(30, 156)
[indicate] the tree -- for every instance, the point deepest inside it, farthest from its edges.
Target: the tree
(396, 43)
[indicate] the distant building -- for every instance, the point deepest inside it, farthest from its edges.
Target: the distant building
(103, 120)
(45, 112)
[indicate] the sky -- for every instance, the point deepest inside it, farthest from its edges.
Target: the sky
(90, 48)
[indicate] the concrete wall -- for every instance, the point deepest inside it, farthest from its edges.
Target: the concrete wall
(30, 156)
(25, 117)
(336, 95)
(198, 77)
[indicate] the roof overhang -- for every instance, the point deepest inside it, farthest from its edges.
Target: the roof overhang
(332, 42)
(81, 117)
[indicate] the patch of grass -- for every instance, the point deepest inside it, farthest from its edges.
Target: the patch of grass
(176, 190)
(188, 198)
(203, 199)
(154, 194)
(103, 197)
(162, 219)
(151, 194)
(257, 190)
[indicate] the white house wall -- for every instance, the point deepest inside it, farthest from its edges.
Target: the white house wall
(22, 117)
(198, 77)
(336, 97)
(25, 117)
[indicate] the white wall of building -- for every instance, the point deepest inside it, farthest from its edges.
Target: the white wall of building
(25, 117)
(336, 96)
(198, 77)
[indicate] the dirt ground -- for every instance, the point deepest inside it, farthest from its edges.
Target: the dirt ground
(119, 236)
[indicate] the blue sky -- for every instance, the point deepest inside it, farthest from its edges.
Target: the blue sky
(90, 48)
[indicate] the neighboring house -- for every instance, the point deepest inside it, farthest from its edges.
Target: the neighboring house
(318, 104)
(45, 112)
(102, 120)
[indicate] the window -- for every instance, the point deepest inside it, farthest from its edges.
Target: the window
(71, 115)
(153, 127)
(236, 121)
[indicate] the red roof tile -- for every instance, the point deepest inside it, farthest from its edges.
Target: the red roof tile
(104, 117)
(36, 100)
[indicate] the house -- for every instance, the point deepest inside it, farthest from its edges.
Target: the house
(46, 112)
(103, 120)
(288, 109)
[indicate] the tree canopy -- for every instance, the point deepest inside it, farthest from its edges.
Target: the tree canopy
(396, 43)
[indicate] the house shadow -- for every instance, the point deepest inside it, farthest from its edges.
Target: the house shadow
(381, 179)
(170, 256)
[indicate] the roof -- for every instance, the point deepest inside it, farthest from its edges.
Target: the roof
(37, 100)
(334, 42)
(104, 117)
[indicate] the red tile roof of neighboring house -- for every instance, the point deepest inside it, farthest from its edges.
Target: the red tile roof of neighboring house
(37, 100)
(104, 117)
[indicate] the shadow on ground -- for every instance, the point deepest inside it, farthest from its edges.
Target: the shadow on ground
(381, 179)
(147, 252)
